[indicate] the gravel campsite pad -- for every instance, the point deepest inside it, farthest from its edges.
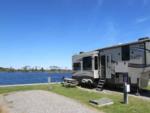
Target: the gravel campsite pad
(43, 102)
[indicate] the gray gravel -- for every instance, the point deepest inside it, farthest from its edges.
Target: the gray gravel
(43, 102)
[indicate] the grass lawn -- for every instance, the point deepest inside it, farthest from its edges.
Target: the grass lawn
(135, 105)
(148, 88)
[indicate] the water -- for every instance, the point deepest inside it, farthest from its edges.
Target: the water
(13, 78)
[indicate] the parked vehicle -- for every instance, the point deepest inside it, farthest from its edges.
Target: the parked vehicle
(114, 65)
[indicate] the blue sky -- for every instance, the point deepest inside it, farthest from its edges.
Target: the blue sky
(49, 32)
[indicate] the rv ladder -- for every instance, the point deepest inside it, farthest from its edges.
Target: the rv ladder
(100, 85)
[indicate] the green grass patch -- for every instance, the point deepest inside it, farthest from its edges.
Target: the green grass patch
(135, 105)
(148, 88)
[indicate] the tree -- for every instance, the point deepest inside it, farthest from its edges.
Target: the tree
(42, 69)
(26, 68)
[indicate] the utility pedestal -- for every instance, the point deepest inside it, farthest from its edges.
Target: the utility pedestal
(126, 91)
(49, 83)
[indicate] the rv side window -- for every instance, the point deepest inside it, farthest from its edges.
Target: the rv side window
(96, 62)
(76, 66)
(87, 63)
(125, 53)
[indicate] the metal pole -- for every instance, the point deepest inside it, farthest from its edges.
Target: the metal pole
(137, 90)
(125, 93)
(49, 81)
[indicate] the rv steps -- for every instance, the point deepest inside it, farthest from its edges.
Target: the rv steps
(100, 85)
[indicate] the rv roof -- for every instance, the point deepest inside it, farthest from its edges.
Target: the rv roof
(119, 45)
(84, 54)
(141, 40)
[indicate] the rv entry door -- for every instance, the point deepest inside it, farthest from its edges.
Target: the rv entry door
(96, 75)
(103, 66)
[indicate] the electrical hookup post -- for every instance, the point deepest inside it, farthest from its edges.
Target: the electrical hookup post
(125, 92)
(49, 83)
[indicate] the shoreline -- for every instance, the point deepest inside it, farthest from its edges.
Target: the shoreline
(13, 85)
(34, 72)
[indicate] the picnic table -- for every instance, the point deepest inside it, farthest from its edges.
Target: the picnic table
(69, 82)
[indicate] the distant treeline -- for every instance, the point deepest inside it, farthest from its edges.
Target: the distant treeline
(2, 69)
(59, 71)
(27, 69)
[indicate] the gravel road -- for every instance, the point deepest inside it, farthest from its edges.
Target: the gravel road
(38, 101)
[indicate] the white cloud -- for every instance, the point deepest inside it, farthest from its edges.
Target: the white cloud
(145, 2)
(99, 3)
(111, 32)
(141, 20)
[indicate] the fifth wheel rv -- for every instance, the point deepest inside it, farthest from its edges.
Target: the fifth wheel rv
(114, 65)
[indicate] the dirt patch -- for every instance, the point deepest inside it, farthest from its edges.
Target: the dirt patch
(37, 101)
(3, 109)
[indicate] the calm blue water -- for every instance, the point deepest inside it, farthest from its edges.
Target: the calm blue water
(8, 78)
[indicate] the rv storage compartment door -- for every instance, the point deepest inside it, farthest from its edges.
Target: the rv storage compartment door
(121, 67)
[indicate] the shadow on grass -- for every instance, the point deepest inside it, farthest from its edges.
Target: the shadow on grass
(143, 92)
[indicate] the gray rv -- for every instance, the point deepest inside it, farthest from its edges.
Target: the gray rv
(114, 65)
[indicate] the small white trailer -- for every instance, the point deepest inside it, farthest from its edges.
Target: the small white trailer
(114, 65)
